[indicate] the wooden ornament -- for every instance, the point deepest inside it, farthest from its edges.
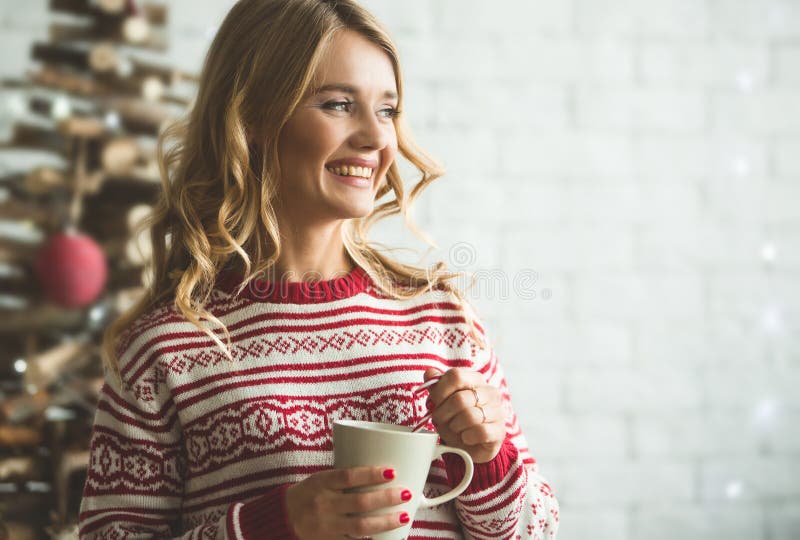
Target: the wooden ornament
(88, 128)
(11, 530)
(38, 316)
(15, 251)
(18, 409)
(20, 468)
(136, 29)
(119, 155)
(19, 436)
(45, 367)
(111, 6)
(103, 58)
(43, 180)
(82, 85)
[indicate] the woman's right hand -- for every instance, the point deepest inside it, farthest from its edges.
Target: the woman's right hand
(318, 508)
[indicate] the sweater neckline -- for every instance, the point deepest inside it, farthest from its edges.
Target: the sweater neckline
(295, 292)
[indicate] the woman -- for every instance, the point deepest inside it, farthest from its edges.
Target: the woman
(260, 237)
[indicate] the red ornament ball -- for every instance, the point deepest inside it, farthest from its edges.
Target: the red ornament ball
(71, 268)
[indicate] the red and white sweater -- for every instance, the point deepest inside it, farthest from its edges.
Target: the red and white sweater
(194, 445)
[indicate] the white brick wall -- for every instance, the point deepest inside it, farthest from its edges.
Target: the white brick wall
(638, 163)
(692, 522)
(784, 520)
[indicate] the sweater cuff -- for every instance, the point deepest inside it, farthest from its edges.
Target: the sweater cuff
(265, 517)
(486, 474)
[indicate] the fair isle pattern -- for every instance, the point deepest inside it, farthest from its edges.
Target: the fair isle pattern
(164, 313)
(307, 340)
(191, 440)
(266, 426)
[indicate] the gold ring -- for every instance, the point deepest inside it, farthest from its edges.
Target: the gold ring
(482, 412)
(475, 393)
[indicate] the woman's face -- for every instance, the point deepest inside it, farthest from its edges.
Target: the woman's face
(348, 119)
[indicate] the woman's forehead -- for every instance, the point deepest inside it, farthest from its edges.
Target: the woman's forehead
(353, 64)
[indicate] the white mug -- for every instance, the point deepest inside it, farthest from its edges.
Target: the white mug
(358, 443)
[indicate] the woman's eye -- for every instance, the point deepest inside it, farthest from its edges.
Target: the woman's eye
(334, 104)
(391, 112)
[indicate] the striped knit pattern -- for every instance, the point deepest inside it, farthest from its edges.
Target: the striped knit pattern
(194, 445)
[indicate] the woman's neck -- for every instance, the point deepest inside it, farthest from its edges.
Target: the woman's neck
(311, 250)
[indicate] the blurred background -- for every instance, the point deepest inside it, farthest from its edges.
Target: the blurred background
(623, 182)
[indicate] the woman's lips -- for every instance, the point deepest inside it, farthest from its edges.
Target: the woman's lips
(355, 181)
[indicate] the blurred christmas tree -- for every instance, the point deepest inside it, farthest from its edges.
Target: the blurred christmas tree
(79, 174)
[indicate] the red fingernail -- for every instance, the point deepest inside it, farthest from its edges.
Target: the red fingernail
(429, 404)
(404, 518)
(388, 474)
(406, 495)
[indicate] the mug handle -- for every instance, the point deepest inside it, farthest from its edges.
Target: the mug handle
(459, 489)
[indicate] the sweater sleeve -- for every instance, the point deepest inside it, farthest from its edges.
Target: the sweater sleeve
(507, 497)
(135, 478)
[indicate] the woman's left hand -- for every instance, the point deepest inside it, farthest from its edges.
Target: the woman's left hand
(459, 421)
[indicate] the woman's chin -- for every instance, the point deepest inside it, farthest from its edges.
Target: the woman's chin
(356, 211)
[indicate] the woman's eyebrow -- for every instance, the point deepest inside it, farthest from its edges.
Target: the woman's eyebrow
(350, 90)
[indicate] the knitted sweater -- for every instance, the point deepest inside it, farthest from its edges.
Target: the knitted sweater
(194, 445)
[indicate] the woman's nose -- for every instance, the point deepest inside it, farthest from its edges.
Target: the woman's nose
(372, 131)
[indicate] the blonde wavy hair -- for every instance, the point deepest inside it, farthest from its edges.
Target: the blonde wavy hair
(218, 189)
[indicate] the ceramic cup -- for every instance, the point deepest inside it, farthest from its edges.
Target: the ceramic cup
(359, 443)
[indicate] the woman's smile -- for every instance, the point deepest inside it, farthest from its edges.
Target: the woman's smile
(352, 176)
(353, 171)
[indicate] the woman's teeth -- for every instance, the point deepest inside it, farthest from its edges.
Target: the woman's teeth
(363, 172)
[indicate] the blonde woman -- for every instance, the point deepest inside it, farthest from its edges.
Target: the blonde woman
(270, 186)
